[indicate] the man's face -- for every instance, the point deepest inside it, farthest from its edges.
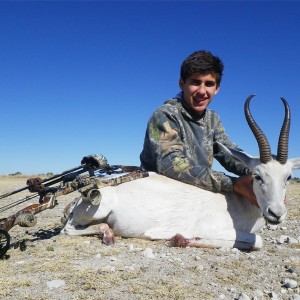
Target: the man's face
(198, 91)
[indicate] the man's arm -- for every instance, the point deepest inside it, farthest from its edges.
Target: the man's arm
(164, 144)
(227, 161)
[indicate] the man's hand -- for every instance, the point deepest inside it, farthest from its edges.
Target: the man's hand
(244, 186)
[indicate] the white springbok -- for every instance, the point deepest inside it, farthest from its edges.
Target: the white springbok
(157, 207)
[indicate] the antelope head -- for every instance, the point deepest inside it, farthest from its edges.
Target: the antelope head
(271, 173)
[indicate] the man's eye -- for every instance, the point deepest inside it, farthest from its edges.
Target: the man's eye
(210, 83)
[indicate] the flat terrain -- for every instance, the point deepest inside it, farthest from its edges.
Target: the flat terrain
(42, 264)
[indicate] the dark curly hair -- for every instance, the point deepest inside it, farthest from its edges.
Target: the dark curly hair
(202, 62)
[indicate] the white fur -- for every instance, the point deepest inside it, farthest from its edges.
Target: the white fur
(157, 207)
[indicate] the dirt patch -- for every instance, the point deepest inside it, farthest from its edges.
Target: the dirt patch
(42, 264)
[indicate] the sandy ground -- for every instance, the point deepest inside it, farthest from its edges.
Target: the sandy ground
(42, 264)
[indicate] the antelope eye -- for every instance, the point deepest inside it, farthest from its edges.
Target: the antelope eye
(257, 177)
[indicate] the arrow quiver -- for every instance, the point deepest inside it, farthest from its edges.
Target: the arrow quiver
(93, 174)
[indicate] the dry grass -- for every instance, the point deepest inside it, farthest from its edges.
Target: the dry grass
(94, 271)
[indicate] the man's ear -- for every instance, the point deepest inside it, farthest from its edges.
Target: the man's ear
(217, 90)
(181, 83)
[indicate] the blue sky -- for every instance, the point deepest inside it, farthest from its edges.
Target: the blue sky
(83, 77)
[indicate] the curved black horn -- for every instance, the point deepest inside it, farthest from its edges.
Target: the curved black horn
(283, 143)
(263, 144)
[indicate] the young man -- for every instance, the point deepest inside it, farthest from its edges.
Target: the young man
(180, 136)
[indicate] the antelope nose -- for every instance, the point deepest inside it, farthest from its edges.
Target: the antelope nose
(276, 215)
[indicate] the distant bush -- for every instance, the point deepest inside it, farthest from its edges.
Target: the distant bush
(49, 174)
(15, 174)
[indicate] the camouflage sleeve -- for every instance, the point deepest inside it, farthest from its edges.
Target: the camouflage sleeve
(228, 162)
(164, 144)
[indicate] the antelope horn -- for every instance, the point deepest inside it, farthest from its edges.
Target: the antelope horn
(263, 144)
(283, 143)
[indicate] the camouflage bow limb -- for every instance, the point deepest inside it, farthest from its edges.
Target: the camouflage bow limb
(25, 217)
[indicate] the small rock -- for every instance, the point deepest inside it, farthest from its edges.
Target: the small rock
(200, 268)
(272, 227)
(243, 296)
(177, 259)
(295, 259)
(54, 284)
(130, 268)
(225, 249)
(295, 297)
(259, 294)
(148, 252)
(283, 291)
(252, 257)
(282, 239)
(293, 241)
(273, 296)
(289, 283)
(131, 247)
(113, 258)
(286, 239)
(108, 268)
(235, 250)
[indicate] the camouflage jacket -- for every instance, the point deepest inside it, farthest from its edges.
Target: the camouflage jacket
(180, 145)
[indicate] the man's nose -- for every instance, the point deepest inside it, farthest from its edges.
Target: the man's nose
(201, 89)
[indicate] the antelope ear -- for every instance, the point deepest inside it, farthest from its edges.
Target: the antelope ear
(245, 158)
(295, 163)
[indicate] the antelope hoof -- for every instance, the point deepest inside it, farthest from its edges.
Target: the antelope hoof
(107, 235)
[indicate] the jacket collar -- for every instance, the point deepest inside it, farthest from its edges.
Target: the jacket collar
(184, 108)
